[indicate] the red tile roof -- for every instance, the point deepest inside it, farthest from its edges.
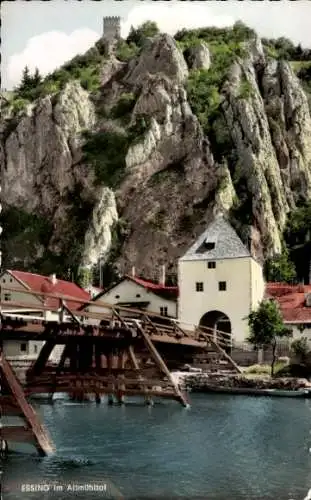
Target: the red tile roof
(154, 287)
(292, 300)
(39, 283)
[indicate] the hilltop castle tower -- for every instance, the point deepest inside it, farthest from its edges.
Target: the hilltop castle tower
(112, 28)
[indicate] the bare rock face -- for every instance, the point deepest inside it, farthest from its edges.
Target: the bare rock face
(199, 56)
(38, 153)
(172, 125)
(268, 115)
(111, 67)
(226, 194)
(170, 171)
(247, 120)
(255, 52)
(290, 124)
(98, 235)
(41, 159)
(160, 55)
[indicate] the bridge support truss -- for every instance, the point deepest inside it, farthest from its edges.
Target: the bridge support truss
(117, 365)
(121, 357)
(14, 403)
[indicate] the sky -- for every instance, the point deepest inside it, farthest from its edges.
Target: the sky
(47, 34)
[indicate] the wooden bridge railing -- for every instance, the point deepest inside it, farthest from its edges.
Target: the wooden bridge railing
(154, 323)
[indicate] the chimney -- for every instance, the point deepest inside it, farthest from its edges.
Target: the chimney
(133, 272)
(53, 279)
(162, 279)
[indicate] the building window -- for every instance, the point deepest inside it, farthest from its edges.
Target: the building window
(7, 297)
(209, 245)
(23, 347)
(199, 286)
(163, 311)
(211, 265)
(3, 281)
(35, 348)
(117, 296)
(137, 295)
(222, 286)
(11, 280)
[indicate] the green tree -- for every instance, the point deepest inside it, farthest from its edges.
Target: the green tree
(85, 277)
(138, 35)
(280, 268)
(37, 78)
(26, 79)
(126, 51)
(297, 236)
(242, 32)
(300, 348)
(266, 326)
(298, 227)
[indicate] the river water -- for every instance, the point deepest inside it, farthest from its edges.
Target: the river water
(223, 447)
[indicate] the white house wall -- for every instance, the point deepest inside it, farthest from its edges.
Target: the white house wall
(298, 334)
(257, 284)
(12, 347)
(9, 281)
(128, 291)
(235, 302)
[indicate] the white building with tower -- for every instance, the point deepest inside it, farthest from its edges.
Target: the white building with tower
(220, 282)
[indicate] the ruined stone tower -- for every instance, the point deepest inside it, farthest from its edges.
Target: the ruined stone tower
(112, 28)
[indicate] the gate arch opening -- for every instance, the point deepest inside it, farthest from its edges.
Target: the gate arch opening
(217, 320)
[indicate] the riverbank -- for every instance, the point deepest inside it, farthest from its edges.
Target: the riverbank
(202, 382)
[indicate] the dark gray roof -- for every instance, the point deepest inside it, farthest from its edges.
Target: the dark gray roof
(219, 241)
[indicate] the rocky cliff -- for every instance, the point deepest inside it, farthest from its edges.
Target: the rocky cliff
(132, 171)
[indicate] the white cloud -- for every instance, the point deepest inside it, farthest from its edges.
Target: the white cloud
(48, 51)
(173, 17)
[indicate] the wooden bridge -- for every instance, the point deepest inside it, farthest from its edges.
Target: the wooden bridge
(127, 353)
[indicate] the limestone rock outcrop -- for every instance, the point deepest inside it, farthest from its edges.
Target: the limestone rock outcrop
(172, 182)
(98, 235)
(199, 56)
(160, 55)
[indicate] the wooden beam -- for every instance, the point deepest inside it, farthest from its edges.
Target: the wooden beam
(121, 377)
(42, 440)
(86, 379)
(132, 391)
(225, 355)
(133, 357)
(181, 330)
(8, 407)
(43, 357)
(51, 372)
(71, 314)
(38, 332)
(18, 434)
(135, 364)
(162, 366)
(172, 340)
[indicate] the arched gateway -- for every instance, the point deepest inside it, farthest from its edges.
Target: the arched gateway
(217, 320)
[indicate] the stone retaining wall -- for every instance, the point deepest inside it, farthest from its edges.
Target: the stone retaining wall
(200, 381)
